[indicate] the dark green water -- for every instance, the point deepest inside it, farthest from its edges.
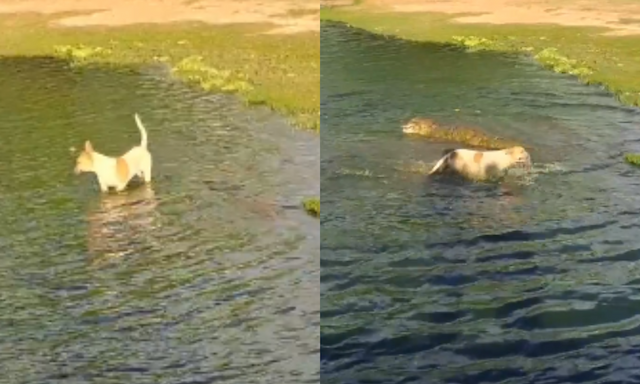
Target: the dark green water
(208, 275)
(440, 281)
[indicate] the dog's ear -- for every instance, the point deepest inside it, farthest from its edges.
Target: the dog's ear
(509, 151)
(88, 147)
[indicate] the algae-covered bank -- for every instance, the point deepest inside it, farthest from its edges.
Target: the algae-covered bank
(596, 41)
(265, 63)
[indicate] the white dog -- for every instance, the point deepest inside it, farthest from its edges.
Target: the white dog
(480, 165)
(116, 172)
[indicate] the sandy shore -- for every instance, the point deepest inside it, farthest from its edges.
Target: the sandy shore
(618, 15)
(288, 16)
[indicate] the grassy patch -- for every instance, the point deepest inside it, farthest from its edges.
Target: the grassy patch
(81, 54)
(473, 43)
(632, 158)
(195, 70)
(312, 206)
(610, 61)
(551, 59)
(279, 71)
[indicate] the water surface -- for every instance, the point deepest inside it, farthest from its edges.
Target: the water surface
(210, 274)
(434, 280)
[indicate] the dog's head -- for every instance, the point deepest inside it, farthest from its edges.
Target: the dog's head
(84, 162)
(519, 155)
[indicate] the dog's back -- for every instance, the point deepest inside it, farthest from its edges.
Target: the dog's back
(447, 151)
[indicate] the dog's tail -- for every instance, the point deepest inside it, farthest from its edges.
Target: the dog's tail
(143, 132)
(440, 163)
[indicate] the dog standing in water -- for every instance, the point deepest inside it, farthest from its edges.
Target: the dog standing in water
(480, 165)
(116, 172)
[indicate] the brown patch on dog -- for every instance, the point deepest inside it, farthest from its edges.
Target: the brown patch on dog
(122, 170)
(477, 158)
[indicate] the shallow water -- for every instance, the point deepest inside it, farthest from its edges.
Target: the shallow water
(433, 280)
(210, 274)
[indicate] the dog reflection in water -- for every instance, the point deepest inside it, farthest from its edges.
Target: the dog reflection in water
(121, 224)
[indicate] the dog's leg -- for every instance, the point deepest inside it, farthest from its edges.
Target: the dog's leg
(121, 187)
(147, 176)
(103, 187)
(146, 171)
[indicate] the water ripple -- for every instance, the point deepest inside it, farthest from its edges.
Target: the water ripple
(434, 280)
(200, 277)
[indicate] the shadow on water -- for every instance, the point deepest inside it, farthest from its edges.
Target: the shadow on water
(204, 276)
(438, 281)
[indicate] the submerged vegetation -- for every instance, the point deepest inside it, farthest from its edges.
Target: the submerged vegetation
(632, 158)
(312, 206)
(193, 69)
(473, 43)
(80, 54)
(551, 59)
